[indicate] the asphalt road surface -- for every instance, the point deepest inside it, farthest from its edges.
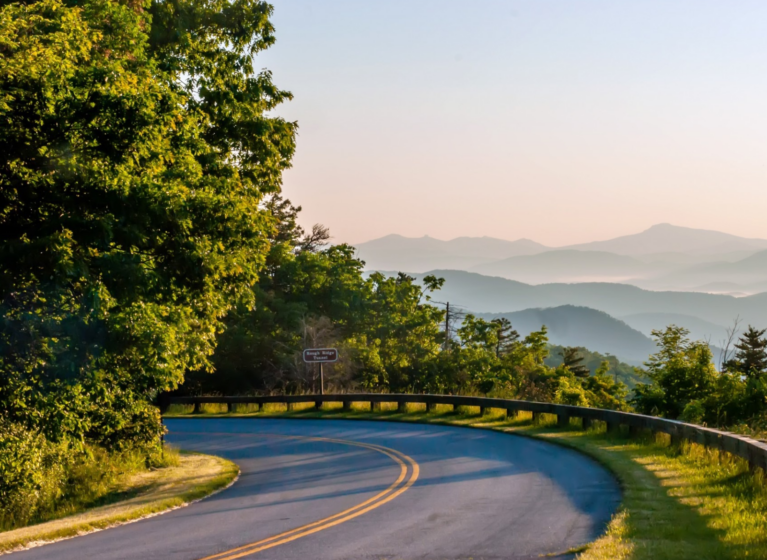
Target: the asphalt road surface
(356, 490)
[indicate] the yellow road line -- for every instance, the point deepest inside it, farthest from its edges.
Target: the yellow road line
(394, 490)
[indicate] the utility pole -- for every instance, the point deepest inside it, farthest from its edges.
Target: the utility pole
(447, 326)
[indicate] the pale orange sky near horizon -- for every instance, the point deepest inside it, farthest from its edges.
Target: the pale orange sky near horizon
(561, 122)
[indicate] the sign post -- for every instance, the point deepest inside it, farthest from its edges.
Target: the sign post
(320, 356)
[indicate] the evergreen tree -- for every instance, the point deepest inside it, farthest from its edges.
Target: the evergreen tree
(750, 357)
(506, 336)
(572, 359)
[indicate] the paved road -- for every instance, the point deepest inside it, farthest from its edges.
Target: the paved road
(427, 492)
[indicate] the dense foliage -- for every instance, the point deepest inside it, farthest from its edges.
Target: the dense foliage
(625, 373)
(135, 155)
(685, 384)
(391, 335)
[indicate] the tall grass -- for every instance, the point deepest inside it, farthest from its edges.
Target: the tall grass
(42, 480)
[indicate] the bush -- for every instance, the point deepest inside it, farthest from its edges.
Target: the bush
(42, 480)
(32, 474)
(694, 412)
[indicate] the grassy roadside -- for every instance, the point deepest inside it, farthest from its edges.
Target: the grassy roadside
(678, 503)
(145, 494)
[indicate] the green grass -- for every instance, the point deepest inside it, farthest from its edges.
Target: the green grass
(678, 502)
(194, 476)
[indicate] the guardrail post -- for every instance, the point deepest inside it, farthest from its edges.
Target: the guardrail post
(402, 407)
(375, 406)
(482, 410)
(536, 417)
(563, 420)
(633, 431)
(613, 427)
(586, 423)
(512, 413)
(431, 407)
(318, 405)
(347, 406)
(230, 407)
(291, 406)
(197, 408)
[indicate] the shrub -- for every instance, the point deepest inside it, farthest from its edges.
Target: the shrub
(41, 480)
(32, 474)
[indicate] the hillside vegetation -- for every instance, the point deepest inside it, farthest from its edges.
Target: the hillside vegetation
(569, 325)
(622, 372)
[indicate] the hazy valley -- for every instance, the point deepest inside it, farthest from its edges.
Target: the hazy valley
(664, 257)
(607, 296)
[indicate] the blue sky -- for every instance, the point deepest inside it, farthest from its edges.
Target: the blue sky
(560, 121)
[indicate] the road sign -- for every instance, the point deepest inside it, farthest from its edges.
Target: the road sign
(320, 355)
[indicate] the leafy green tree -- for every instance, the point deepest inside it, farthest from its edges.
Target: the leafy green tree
(568, 389)
(136, 149)
(603, 391)
(301, 283)
(399, 334)
(479, 334)
(506, 336)
(681, 372)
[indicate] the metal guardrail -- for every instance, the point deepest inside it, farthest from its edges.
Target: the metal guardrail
(753, 451)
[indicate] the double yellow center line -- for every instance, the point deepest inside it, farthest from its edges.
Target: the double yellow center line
(395, 489)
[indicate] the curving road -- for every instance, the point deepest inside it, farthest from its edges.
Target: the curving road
(342, 490)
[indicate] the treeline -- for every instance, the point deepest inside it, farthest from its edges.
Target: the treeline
(391, 335)
(684, 383)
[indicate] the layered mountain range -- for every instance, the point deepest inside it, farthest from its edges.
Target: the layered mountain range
(607, 296)
(664, 257)
(615, 319)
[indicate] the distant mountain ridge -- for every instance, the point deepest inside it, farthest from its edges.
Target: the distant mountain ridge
(489, 294)
(568, 265)
(418, 254)
(699, 329)
(669, 238)
(663, 257)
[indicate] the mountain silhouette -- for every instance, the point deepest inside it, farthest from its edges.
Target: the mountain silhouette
(409, 254)
(489, 294)
(663, 257)
(669, 238)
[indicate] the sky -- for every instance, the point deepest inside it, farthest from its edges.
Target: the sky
(562, 121)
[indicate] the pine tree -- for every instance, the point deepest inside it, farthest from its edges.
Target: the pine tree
(572, 360)
(506, 335)
(751, 354)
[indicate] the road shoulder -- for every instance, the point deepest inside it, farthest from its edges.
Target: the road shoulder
(155, 492)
